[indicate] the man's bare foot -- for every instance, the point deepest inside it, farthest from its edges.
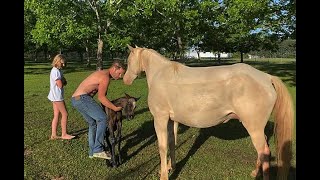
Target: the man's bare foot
(54, 137)
(67, 136)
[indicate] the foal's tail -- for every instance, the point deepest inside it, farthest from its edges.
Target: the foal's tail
(283, 115)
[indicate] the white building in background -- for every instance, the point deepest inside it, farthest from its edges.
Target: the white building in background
(253, 56)
(192, 53)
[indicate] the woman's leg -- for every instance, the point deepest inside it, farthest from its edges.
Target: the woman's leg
(54, 122)
(64, 118)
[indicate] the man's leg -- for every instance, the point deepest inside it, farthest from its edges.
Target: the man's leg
(95, 111)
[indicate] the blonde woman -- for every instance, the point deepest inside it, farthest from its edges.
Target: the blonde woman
(56, 96)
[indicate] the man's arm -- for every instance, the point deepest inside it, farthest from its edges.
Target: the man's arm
(102, 91)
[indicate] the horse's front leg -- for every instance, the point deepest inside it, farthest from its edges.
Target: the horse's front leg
(160, 126)
(119, 137)
(172, 136)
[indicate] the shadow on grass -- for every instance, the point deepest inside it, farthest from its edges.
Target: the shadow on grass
(284, 69)
(44, 68)
(136, 171)
(235, 131)
(141, 111)
(79, 132)
(145, 133)
(274, 169)
(273, 173)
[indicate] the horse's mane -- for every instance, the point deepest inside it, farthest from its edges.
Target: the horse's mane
(175, 65)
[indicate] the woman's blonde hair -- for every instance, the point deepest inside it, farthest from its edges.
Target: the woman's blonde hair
(58, 58)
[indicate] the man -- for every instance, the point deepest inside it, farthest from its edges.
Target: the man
(82, 100)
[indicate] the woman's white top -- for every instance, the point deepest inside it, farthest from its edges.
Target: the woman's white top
(56, 93)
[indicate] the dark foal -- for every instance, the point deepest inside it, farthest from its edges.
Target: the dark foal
(128, 104)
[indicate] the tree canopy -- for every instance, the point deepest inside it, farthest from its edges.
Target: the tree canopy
(169, 26)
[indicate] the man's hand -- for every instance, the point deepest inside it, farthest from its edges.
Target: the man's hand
(117, 108)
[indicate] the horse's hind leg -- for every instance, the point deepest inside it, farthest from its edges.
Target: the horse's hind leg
(172, 136)
(260, 143)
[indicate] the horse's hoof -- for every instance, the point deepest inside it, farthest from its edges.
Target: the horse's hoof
(109, 164)
(114, 165)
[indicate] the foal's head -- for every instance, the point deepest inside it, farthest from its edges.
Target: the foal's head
(130, 106)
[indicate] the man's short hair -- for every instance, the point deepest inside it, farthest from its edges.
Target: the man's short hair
(118, 64)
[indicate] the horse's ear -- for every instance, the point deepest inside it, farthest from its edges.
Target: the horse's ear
(136, 46)
(131, 48)
(136, 98)
(127, 95)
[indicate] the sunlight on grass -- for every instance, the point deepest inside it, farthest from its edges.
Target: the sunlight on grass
(221, 152)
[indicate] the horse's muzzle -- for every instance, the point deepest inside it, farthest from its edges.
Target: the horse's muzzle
(126, 81)
(128, 78)
(130, 117)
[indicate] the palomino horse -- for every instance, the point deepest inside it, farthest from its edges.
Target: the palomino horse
(206, 96)
(128, 103)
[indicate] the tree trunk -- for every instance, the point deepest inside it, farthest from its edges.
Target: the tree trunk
(80, 55)
(198, 53)
(46, 55)
(36, 56)
(219, 58)
(99, 55)
(94, 7)
(88, 53)
(179, 43)
(241, 60)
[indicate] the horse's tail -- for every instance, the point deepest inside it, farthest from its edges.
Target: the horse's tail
(283, 117)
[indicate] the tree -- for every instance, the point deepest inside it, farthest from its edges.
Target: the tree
(212, 28)
(106, 13)
(243, 19)
(59, 24)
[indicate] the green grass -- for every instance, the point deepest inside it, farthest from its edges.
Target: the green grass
(221, 152)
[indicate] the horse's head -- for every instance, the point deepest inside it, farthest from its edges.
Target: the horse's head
(134, 65)
(130, 106)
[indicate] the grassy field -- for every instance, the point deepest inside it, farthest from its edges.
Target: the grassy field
(221, 152)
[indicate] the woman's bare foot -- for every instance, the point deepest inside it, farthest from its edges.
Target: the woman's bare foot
(54, 137)
(67, 136)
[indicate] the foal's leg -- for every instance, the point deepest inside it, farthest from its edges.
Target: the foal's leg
(172, 133)
(108, 144)
(160, 126)
(112, 139)
(119, 137)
